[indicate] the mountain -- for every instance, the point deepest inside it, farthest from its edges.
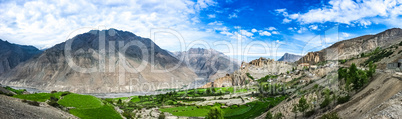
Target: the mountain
(100, 62)
(208, 63)
(12, 54)
(289, 57)
(349, 48)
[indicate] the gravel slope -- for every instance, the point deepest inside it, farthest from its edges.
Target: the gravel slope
(13, 108)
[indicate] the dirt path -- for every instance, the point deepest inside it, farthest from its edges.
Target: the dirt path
(13, 108)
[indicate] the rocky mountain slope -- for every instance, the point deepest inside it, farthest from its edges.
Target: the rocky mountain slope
(287, 57)
(349, 48)
(12, 54)
(208, 63)
(100, 62)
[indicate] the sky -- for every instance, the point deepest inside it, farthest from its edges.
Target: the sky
(241, 29)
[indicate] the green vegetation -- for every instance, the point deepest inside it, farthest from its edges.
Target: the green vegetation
(80, 101)
(356, 76)
(276, 116)
(267, 77)
(18, 92)
(104, 112)
(302, 106)
(215, 113)
(377, 55)
(251, 77)
(191, 111)
(40, 97)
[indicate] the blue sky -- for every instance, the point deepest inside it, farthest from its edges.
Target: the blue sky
(266, 28)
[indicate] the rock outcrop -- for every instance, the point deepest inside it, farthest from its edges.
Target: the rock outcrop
(12, 54)
(349, 48)
(261, 67)
(101, 62)
(287, 57)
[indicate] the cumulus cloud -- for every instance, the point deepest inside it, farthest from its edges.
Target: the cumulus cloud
(275, 32)
(253, 30)
(265, 33)
(211, 16)
(43, 23)
(215, 23)
(349, 12)
(246, 33)
(270, 28)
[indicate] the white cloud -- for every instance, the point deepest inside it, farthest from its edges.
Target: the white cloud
(350, 12)
(216, 23)
(313, 27)
(253, 30)
(211, 16)
(265, 33)
(246, 33)
(271, 28)
(275, 32)
(234, 15)
(286, 20)
(44, 23)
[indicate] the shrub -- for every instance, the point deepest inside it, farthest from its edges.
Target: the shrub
(162, 116)
(344, 99)
(309, 113)
(53, 101)
(65, 93)
(34, 103)
(215, 113)
(325, 103)
(53, 91)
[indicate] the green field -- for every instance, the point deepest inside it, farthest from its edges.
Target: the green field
(80, 101)
(40, 97)
(104, 112)
(190, 111)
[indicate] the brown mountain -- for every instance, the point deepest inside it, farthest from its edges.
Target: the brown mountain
(100, 62)
(12, 54)
(208, 63)
(287, 57)
(348, 48)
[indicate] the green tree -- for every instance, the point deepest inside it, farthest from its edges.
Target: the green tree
(303, 105)
(215, 113)
(278, 116)
(162, 116)
(294, 110)
(269, 115)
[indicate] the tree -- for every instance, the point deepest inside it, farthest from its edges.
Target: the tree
(303, 105)
(119, 102)
(294, 110)
(278, 116)
(215, 113)
(269, 115)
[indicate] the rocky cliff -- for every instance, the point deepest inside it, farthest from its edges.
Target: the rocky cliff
(287, 57)
(349, 48)
(12, 54)
(208, 63)
(100, 62)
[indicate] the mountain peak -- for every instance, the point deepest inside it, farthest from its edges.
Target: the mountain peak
(287, 57)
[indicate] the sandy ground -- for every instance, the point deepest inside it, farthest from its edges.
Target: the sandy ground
(13, 108)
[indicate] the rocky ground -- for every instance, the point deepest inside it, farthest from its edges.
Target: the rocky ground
(13, 108)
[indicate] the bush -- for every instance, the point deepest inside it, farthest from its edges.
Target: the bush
(344, 99)
(34, 103)
(310, 113)
(400, 44)
(53, 91)
(53, 101)
(325, 103)
(65, 93)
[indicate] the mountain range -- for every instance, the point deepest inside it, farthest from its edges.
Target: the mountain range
(289, 57)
